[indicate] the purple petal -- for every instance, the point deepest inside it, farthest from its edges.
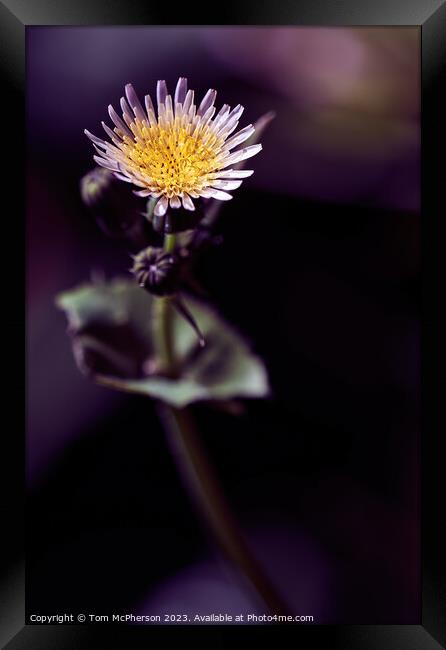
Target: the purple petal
(134, 102)
(161, 93)
(207, 116)
(127, 113)
(188, 204)
(208, 100)
(239, 137)
(226, 185)
(118, 122)
(231, 121)
(123, 178)
(221, 117)
(234, 173)
(221, 196)
(181, 90)
(169, 107)
(94, 139)
(161, 206)
(188, 101)
(111, 134)
(175, 202)
(108, 164)
(237, 156)
(150, 109)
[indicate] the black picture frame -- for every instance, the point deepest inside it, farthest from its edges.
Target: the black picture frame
(430, 17)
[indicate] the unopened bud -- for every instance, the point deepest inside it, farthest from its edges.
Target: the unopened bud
(157, 271)
(116, 209)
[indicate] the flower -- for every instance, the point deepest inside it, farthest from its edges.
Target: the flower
(183, 154)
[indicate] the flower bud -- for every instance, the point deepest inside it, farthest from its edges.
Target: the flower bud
(116, 209)
(157, 271)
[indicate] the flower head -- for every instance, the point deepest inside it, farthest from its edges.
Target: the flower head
(180, 154)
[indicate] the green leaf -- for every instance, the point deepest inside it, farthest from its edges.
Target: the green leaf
(111, 329)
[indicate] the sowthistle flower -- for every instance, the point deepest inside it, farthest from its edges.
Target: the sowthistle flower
(183, 152)
(180, 154)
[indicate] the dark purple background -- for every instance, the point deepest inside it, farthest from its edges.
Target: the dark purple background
(320, 268)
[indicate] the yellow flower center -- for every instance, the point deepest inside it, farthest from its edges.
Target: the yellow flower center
(171, 158)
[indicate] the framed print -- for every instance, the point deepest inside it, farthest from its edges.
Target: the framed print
(230, 247)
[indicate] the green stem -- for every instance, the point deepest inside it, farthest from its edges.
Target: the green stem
(170, 243)
(164, 322)
(212, 507)
(163, 334)
(198, 475)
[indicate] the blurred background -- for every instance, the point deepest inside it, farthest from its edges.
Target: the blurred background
(319, 268)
